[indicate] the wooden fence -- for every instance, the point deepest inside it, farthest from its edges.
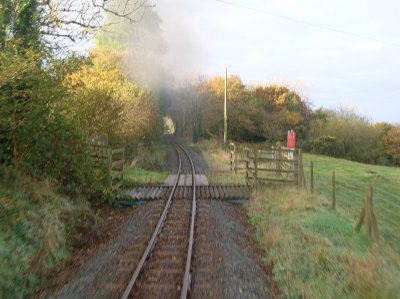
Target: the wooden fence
(276, 164)
(112, 159)
(237, 158)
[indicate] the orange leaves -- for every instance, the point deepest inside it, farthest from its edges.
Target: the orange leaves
(106, 102)
(392, 143)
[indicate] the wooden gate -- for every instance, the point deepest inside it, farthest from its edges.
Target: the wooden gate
(276, 164)
(112, 159)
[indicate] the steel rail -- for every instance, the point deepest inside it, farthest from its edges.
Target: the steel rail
(156, 232)
(187, 275)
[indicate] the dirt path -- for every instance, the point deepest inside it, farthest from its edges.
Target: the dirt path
(225, 259)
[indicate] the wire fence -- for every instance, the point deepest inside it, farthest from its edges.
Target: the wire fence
(350, 196)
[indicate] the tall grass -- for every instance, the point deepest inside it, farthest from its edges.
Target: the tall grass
(34, 221)
(315, 253)
(218, 163)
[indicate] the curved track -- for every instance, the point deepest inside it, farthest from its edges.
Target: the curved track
(164, 268)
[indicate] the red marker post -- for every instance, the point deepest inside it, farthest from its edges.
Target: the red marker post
(291, 139)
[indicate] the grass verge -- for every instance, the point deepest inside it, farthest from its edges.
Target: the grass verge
(148, 167)
(351, 181)
(314, 251)
(35, 225)
(218, 160)
(134, 177)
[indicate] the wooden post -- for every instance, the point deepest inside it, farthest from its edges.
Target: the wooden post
(109, 166)
(123, 164)
(247, 167)
(296, 167)
(367, 216)
(255, 167)
(333, 190)
(374, 224)
(299, 166)
(312, 176)
(225, 112)
(233, 157)
(279, 149)
(302, 172)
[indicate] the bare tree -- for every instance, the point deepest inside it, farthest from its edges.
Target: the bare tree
(60, 21)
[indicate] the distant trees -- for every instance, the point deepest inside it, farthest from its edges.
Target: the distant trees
(105, 102)
(260, 113)
(344, 133)
(392, 144)
(266, 113)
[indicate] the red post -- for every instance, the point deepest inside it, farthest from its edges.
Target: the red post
(291, 139)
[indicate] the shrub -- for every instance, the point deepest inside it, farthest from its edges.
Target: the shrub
(324, 145)
(392, 144)
(37, 136)
(355, 138)
(33, 235)
(105, 102)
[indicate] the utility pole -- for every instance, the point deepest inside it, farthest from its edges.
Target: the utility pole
(225, 115)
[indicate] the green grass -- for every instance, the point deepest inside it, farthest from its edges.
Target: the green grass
(134, 177)
(148, 167)
(34, 225)
(314, 251)
(351, 181)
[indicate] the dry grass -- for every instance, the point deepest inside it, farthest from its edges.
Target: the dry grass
(218, 162)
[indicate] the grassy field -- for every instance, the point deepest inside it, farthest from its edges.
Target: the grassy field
(147, 167)
(134, 177)
(313, 251)
(351, 181)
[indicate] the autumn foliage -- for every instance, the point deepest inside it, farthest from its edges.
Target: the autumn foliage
(392, 144)
(259, 113)
(105, 102)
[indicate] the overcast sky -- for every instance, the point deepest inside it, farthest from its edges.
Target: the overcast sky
(328, 67)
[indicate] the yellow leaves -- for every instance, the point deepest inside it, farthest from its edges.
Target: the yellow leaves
(106, 102)
(281, 99)
(392, 143)
(216, 85)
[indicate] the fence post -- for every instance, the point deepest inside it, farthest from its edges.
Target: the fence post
(304, 182)
(233, 156)
(374, 224)
(299, 166)
(123, 164)
(333, 190)
(109, 167)
(247, 166)
(255, 167)
(312, 176)
(367, 216)
(279, 165)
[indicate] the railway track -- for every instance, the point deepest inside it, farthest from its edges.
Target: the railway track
(164, 269)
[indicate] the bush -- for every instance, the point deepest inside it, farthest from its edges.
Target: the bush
(324, 145)
(33, 235)
(392, 144)
(35, 132)
(105, 102)
(355, 138)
